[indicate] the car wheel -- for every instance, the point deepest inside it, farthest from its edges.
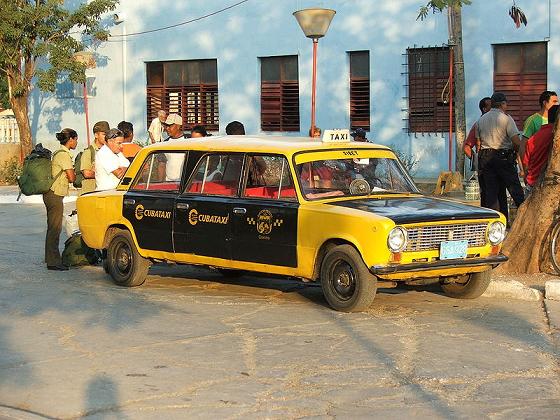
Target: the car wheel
(228, 272)
(347, 284)
(475, 285)
(105, 265)
(125, 265)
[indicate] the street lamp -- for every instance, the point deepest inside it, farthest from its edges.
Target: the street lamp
(314, 24)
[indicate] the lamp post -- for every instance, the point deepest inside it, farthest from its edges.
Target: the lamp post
(314, 24)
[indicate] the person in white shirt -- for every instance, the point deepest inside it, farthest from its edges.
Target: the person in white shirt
(157, 127)
(110, 163)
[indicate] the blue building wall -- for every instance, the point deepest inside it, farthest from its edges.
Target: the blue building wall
(261, 28)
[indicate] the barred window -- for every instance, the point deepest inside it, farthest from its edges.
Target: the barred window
(279, 93)
(520, 72)
(428, 89)
(188, 88)
(359, 90)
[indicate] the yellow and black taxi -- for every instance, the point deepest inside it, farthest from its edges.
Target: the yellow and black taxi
(336, 211)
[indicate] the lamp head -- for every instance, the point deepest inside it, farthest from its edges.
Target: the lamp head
(314, 22)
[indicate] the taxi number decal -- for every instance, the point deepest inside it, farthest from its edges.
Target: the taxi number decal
(264, 223)
(350, 152)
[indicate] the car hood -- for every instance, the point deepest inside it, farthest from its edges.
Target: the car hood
(418, 209)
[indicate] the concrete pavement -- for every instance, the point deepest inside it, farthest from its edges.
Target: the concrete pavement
(191, 343)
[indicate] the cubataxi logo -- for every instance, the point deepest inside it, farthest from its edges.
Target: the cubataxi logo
(195, 217)
(140, 212)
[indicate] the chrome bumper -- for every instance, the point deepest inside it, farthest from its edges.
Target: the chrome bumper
(419, 266)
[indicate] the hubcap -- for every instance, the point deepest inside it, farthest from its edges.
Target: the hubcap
(343, 280)
(123, 259)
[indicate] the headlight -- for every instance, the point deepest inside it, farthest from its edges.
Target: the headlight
(496, 233)
(396, 241)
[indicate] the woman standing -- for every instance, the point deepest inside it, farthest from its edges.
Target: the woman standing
(63, 174)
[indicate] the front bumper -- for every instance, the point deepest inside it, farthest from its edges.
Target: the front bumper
(441, 264)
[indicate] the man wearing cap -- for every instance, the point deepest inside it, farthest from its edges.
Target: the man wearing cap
(157, 127)
(87, 164)
(110, 163)
(498, 142)
(359, 135)
(172, 163)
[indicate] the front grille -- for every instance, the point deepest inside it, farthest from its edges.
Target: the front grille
(426, 238)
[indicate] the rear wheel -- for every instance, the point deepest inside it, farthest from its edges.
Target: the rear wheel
(347, 284)
(469, 286)
(125, 265)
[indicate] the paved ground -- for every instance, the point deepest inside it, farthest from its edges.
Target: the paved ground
(193, 344)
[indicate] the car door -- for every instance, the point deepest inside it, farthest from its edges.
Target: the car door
(202, 224)
(265, 216)
(150, 201)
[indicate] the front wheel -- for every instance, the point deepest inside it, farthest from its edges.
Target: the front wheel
(469, 286)
(125, 265)
(347, 284)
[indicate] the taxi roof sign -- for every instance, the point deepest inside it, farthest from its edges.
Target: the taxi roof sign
(336, 136)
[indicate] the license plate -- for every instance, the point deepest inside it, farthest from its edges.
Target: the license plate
(449, 250)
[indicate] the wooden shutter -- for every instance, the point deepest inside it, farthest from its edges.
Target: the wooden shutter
(359, 90)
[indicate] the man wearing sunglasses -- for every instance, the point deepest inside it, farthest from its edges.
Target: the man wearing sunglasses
(110, 163)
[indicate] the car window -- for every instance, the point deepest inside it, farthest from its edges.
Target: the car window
(269, 177)
(161, 172)
(217, 174)
(348, 177)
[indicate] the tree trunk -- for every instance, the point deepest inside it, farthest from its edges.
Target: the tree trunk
(20, 108)
(528, 242)
(459, 83)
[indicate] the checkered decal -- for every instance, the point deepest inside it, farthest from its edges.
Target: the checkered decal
(251, 221)
(278, 222)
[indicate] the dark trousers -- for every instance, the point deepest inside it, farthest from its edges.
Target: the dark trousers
(502, 196)
(55, 208)
(498, 169)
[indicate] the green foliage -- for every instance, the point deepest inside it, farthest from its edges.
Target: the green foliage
(10, 171)
(437, 6)
(4, 98)
(33, 30)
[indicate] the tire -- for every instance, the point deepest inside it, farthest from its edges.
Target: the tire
(555, 248)
(347, 284)
(231, 273)
(106, 265)
(126, 266)
(476, 285)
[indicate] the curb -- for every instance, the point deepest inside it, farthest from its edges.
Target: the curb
(513, 289)
(552, 290)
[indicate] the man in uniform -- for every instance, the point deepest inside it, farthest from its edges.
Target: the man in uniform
(498, 141)
(87, 164)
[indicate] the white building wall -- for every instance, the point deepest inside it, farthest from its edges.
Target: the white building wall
(237, 37)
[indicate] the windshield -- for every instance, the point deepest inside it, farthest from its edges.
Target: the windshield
(353, 177)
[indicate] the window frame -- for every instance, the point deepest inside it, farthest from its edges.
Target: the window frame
(189, 181)
(287, 98)
(137, 176)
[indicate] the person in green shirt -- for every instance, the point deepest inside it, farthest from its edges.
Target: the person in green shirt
(547, 99)
(87, 164)
(63, 174)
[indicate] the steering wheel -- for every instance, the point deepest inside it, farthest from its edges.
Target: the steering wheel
(359, 187)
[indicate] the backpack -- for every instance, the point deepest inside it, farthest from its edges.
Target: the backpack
(78, 166)
(76, 252)
(36, 176)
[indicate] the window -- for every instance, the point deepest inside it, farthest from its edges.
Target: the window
(520, 73)
(217, 174)
(160, 172)
(188, 88)
(279, 93)
(269, 177)
(359, 90)
(428, 89)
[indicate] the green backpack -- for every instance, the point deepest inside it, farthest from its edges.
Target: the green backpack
(78, 166)
(36, 176)
(76, 252)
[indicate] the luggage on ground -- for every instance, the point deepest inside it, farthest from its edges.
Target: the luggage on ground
(76, 252)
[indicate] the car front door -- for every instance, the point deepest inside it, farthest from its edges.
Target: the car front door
(265, 216)
(203, 218)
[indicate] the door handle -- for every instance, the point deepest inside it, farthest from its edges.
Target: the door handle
(239, 210)
(182, 206)
(129, 201)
